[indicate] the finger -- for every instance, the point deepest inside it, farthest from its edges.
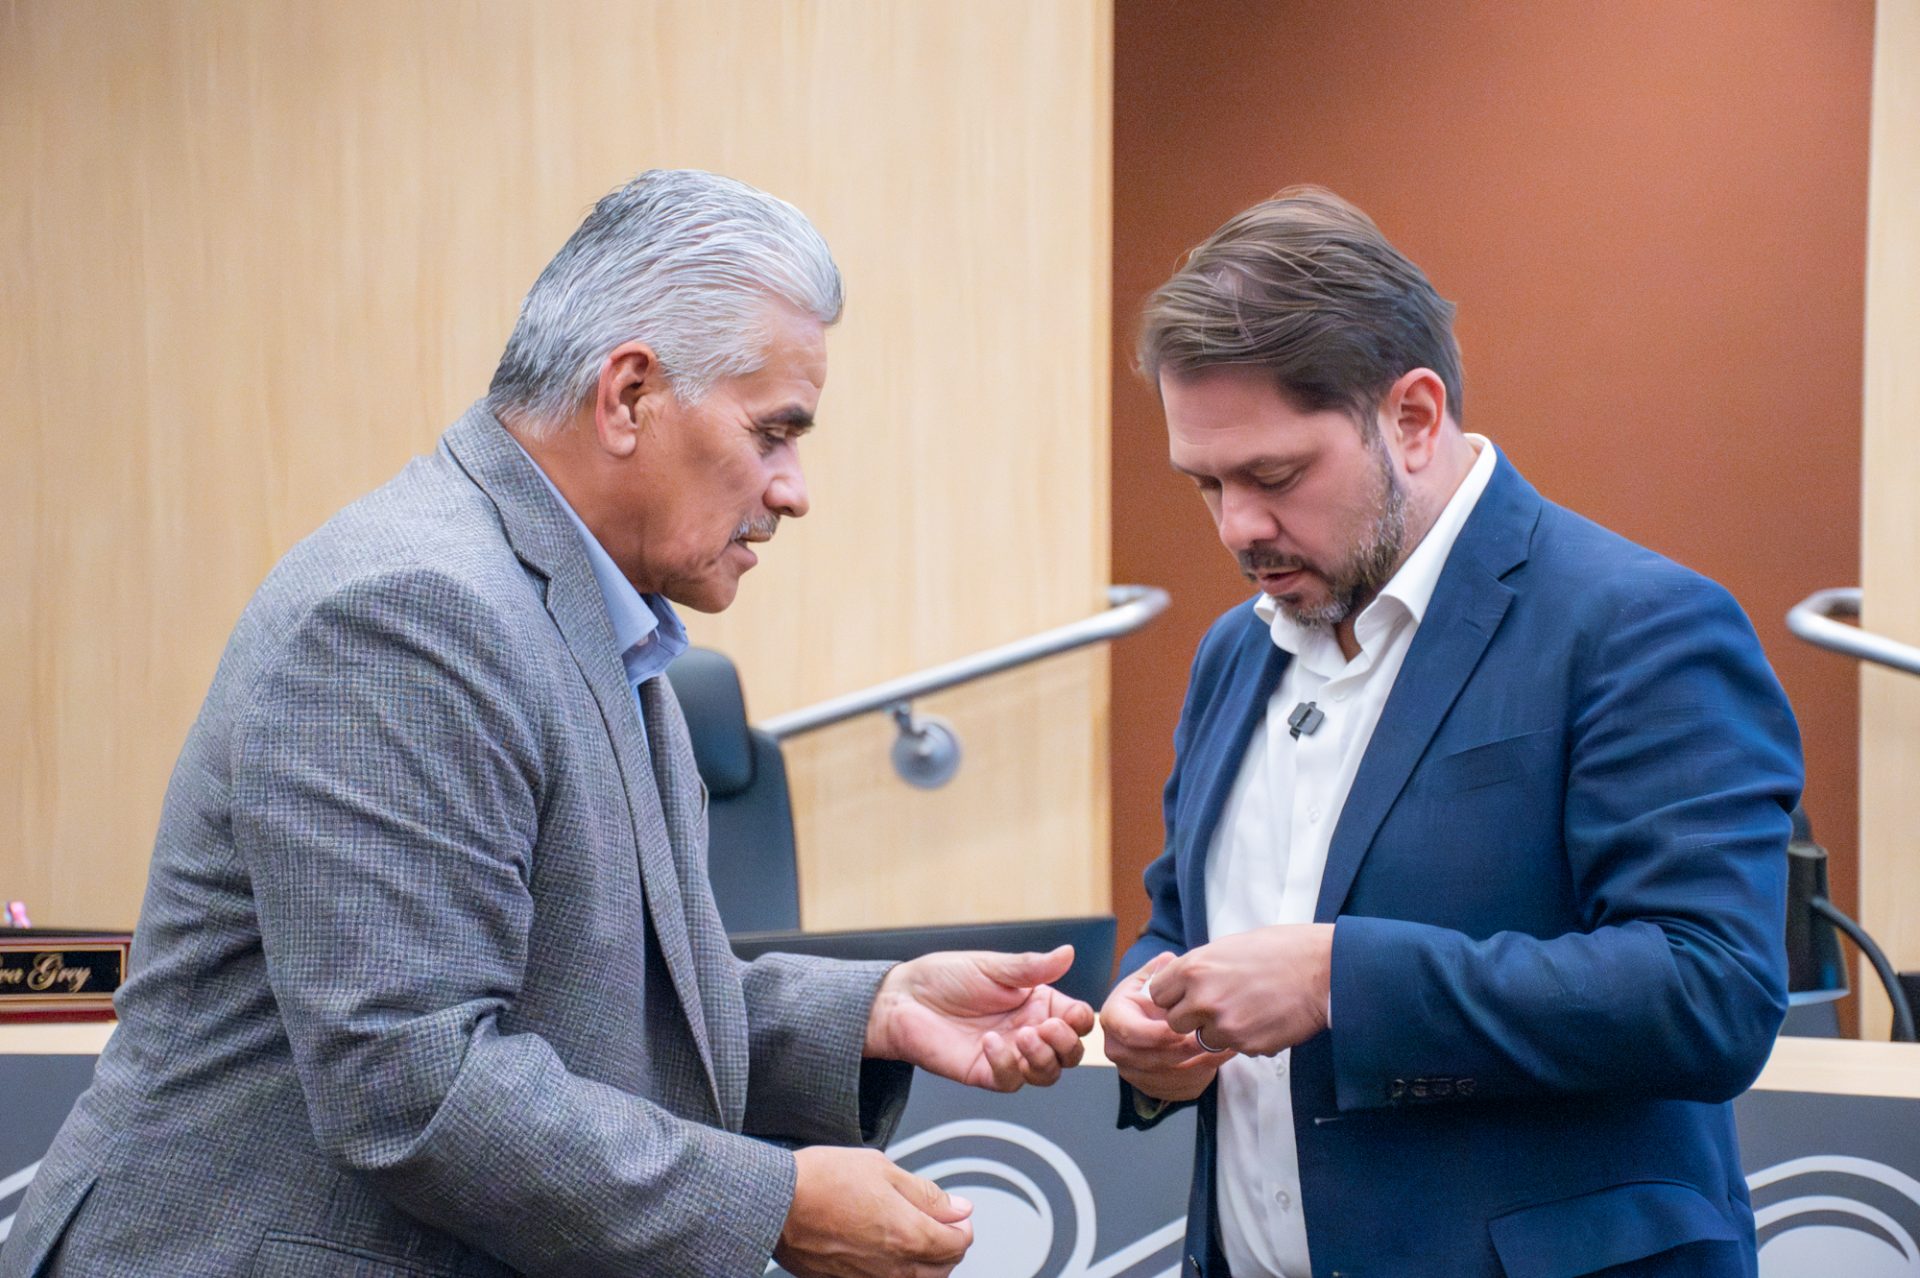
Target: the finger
(1141, 982)
(1203, 1059)
(1185, 1019)
(949, 1209)
(1128, 1024)
(1168, 984)
(1159, 1059)
(928, 1197)
(1026, 970)
(1072, 1011)
(1154, 964)
(1064, 1040)
(936, 1248)
(1003, 1060)
(938, 1242)
(1039, 1065)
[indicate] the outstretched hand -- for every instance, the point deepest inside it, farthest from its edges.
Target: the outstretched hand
(981, 1018)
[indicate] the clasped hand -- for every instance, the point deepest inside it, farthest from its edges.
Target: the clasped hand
(1255, 993)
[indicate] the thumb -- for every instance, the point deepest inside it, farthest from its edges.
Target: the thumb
(1028, 969)
(1148, 970)
(948, 1209)
(1155, 963)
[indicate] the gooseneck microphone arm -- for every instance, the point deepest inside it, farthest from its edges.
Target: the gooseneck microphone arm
(1902, 1013)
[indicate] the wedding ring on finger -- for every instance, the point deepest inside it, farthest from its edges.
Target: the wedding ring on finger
(1204, 1045)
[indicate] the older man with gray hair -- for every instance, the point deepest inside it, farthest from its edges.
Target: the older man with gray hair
(429, 979)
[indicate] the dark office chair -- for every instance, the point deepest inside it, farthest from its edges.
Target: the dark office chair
(756, 880)
(750, 851)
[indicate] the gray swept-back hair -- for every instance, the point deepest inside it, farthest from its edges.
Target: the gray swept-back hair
(682, 260)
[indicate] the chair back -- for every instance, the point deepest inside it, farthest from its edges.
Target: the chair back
(750, 849)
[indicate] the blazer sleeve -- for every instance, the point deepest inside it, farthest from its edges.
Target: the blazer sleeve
(1683, 764)
(1165, 932)
(807, 1030)
(385, 779)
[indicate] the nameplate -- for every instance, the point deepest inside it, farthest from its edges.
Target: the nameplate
(48, 975)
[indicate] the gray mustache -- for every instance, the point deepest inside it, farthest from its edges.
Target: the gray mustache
(760, 527)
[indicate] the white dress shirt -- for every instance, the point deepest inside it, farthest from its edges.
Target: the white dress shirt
(1270, 850)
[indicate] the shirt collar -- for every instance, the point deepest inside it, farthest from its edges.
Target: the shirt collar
(1407, 593)
(647, 633)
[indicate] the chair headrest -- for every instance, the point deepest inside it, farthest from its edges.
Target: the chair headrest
(709, 693)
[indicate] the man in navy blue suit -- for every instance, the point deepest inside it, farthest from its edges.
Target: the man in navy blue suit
(1469, 920)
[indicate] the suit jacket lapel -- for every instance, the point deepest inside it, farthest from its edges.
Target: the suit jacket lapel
(1467, 607)
(1247, 686)
(546, 541)
(677, 775)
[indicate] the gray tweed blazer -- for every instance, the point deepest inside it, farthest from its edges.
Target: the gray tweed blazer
(428, 979)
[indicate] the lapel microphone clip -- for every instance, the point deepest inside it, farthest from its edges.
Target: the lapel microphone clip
(1305, 719)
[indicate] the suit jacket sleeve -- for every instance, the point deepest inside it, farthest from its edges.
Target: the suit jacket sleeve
(1683, 763)
(807, 1029)
(1166, 930)
(385, 807)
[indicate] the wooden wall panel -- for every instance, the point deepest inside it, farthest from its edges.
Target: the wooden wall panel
(254, 256)
(1890, 512)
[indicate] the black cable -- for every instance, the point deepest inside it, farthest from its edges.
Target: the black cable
(1902, 1013)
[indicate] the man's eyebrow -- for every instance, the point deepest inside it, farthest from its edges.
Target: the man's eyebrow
(1271, 462)
(792, 416)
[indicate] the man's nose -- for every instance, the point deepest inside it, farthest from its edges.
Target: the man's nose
(1245, 520)
(787, 493)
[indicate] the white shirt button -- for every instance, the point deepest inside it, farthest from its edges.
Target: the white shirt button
(1340, 695)
(1313, 814)
(1280, 1066)
(1283, 1198)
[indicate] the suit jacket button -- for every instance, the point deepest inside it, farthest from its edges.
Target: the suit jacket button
(1397, 1089)
(1464, 1086)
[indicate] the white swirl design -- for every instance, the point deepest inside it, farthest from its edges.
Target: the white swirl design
(9, 1186)
(1837, 1234)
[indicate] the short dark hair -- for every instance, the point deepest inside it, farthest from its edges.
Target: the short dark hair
(1305, 286)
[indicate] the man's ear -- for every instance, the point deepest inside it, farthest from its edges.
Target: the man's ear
(1412, 412)
(628, 395)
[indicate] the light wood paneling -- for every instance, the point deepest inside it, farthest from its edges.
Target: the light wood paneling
(1890, 512)
(1842, 1067)
(943, 854)
(254, 256)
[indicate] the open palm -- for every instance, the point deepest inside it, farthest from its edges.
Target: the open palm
(981, 1018)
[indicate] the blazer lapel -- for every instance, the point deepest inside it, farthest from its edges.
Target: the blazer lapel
(1467, 607)
(545, 539)
(677, 775)
(1247, 685)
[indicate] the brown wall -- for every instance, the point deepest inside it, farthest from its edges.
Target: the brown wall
(1653, 219)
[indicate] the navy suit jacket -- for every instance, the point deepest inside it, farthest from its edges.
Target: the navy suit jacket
(1558, 885)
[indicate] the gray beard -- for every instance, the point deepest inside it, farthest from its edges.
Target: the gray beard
(1372, 563)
